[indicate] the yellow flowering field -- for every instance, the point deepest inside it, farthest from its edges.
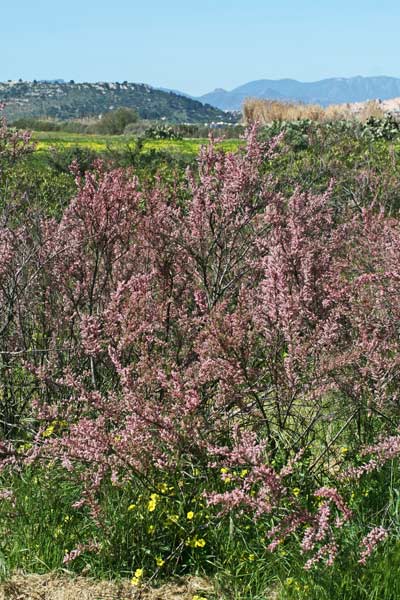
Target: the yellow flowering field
(101, 143)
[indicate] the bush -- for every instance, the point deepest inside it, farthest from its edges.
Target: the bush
(386, 128)
(137, 129)
(37, 124)
(214, 356)
(115, 121)
(162, 132)
(60, 159)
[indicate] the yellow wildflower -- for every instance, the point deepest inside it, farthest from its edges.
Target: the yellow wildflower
(296, 491)
(190, 515)
(55, 425)
(151, 507)
(243, 472)
(131, 507)
(173, 518)
(224, 470)
(48, 432)
(151, 529)
(195, 542)
(196, 597)
(251, 557)
(343, 450)
(23, 447)
(159, 561)
(163, 487)
(58, 531)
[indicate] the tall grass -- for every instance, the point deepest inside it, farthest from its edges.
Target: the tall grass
(39, 526)
(267, 111)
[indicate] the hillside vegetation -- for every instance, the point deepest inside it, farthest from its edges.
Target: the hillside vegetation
(77, 100)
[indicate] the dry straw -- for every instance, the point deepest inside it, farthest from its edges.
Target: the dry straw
(267, 111)
(61, 587)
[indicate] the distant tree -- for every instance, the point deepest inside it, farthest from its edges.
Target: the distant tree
(115, 121)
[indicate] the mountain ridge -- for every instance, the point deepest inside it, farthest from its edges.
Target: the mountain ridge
(333, 90)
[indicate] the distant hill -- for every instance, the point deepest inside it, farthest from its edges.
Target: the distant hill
(51, 80)
(75, 100)
(337, 90)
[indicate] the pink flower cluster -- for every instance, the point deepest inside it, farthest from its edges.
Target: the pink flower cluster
(370, 541)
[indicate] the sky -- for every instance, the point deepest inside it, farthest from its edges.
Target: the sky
(196, 46)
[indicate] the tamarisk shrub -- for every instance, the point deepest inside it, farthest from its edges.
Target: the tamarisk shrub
(16, 257)
(216, 324)
(13, 144)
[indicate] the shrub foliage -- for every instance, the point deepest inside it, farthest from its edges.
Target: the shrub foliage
(212, 339)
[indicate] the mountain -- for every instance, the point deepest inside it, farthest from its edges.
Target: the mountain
(76, 100)
(233, 100)
(336, 90)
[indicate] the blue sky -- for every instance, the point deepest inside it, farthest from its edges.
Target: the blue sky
(196, 46)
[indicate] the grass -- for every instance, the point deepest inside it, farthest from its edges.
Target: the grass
(41, 525)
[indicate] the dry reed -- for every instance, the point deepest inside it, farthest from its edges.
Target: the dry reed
(267, 111)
